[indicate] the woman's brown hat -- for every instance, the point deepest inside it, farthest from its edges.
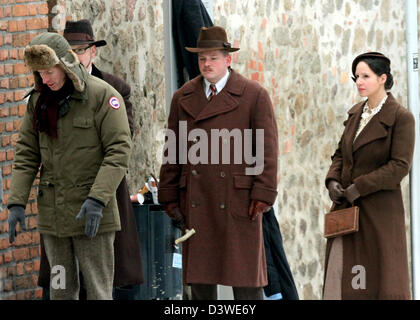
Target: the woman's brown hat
(212, 38)
(368, 55)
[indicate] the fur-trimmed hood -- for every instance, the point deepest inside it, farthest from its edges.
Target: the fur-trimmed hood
(48, 50)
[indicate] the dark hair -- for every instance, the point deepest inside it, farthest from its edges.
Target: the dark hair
(379, 66)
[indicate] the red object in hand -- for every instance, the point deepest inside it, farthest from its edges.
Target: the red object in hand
(257, 207)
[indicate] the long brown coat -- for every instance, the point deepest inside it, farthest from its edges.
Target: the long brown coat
(376, 163)
(228, 247)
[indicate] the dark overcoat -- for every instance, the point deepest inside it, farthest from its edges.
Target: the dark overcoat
(376, 162)
(189, 16)
(280, 278)
(228, 247)
(128, 266)
(122, 87)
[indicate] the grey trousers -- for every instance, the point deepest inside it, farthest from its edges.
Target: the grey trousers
(209, 292)
(93, 257)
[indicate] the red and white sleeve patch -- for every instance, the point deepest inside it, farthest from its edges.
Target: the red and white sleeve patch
(114, 102)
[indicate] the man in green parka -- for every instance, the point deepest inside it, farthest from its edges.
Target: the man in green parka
(76, 133)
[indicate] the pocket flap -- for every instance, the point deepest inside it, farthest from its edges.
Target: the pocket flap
(84, 185)
(82, 122)
(243, 182)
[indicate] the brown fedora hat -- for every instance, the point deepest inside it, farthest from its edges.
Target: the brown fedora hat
(212, 38)
(80, 32)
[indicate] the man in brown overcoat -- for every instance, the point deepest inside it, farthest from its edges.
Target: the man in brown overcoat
(219, 172)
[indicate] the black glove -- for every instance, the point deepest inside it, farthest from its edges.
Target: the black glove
(336, 191)
(16, 214)
(93, 211)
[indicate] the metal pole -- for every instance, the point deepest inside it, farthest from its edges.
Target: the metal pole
(413, 105)
(170, 63)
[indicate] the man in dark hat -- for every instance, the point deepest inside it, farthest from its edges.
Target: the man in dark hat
(80, 36)
(222, 195)
(128, 267)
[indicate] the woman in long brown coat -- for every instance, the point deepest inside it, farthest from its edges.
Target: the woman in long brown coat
(373, 156)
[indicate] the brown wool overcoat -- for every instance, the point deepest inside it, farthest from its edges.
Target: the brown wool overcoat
(376, 163)
(228, 247)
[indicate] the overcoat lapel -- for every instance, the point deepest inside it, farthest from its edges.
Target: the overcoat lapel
(377, 127)
(195, 103)
(352, 124)
(194, 100)
(223, 102)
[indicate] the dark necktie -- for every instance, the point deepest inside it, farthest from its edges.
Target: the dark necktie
(213, 91)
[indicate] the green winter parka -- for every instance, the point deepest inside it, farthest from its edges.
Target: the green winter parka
(88, 159)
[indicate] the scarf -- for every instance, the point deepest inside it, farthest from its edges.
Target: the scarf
(51, 106)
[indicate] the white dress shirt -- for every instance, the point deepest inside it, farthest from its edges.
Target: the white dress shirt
(219, 84)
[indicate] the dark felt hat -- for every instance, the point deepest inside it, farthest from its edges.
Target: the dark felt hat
(368, 55)
(212, 38)
(81, 32)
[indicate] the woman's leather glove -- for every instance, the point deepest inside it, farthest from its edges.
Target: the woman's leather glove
(336, 191)
(351, 193)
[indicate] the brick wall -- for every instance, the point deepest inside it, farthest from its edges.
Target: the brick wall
(20, 21)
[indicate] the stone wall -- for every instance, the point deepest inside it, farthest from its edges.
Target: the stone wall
(135, 52)
(301, 51)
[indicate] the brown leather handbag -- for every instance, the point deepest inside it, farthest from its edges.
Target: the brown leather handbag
(341, 222)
